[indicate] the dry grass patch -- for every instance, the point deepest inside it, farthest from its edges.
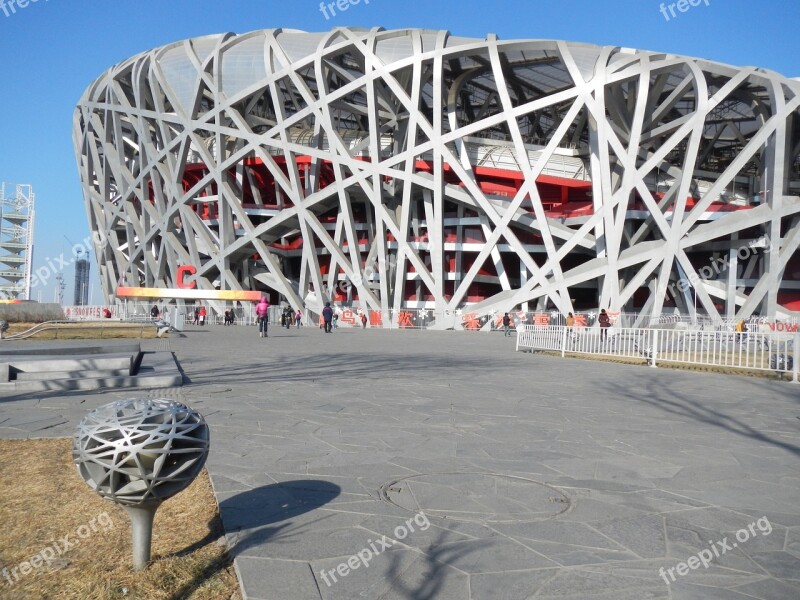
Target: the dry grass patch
(104, 330)
(42, 499)
(642, 362)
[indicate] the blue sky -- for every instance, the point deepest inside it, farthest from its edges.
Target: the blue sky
(52, 49)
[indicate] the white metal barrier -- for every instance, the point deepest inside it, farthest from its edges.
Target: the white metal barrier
(421, 318)
(779, 352)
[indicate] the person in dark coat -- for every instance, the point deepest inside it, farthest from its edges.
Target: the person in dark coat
(327, 316)
(605, 323)
(506, 325)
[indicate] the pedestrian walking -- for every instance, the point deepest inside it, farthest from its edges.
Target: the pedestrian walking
(506, 325)
(741, 329)
(196, 315)
(327, 316)
(203, 315)
(570, 323)
(363, 321)
(262, 314)
(298, 317)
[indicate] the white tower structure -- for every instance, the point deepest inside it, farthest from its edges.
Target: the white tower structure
(16, 240)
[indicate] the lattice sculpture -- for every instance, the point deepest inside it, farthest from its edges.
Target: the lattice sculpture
(138, 453)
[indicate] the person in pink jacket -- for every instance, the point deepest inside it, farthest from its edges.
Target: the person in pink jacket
(262, 313)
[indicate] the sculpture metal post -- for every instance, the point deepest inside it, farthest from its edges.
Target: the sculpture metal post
(138, 453)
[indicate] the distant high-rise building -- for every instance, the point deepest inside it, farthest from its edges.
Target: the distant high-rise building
(81, 282)
(16, 240)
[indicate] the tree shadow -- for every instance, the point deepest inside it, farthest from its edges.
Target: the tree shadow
(254, 511)
(341, 365)
(671, 401)
(12, 396)
(438, 558)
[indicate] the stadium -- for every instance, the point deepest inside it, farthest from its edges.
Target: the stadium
(414, 170)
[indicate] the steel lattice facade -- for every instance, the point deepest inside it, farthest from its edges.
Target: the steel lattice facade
(415, 169)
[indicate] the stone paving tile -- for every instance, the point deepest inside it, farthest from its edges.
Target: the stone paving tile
(309, 431)
(586, 583)
(686, 591)
(572, 556)
(268, 579)
(768, 589)
(781, 565)
(642, 535)
(561, 531)
(509, 585)
(33, 425)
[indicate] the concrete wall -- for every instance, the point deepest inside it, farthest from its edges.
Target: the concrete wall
(30, 312)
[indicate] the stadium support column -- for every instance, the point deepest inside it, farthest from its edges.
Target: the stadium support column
(733, 269)
(600, 184)
(459, 251)
(436, 226)
(773, 184)
(523, 279)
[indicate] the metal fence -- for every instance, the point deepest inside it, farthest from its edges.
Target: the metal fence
(766, 351)
(422, 318)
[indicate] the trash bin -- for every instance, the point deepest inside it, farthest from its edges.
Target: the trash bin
(179, 321)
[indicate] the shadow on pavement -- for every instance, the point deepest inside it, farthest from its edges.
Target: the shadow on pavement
(673, 402)
(274, 503)
(254, 510)
(338, 366)
(437, 560)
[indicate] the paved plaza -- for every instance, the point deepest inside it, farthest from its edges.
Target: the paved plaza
(443, 465)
